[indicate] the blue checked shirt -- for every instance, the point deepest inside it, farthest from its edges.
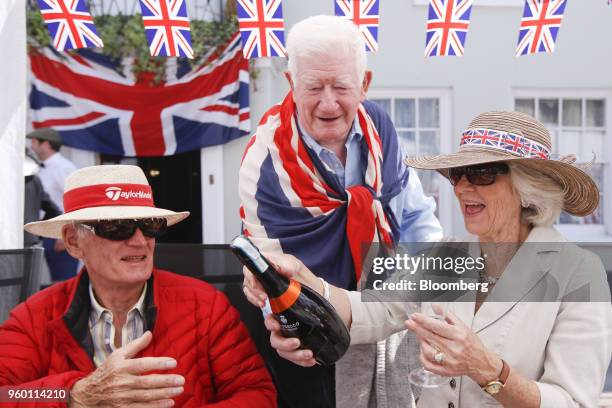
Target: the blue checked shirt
(414, 210)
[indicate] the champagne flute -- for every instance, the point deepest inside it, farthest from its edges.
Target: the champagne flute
(420, 376)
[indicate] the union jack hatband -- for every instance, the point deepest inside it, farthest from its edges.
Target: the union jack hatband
(515, 137)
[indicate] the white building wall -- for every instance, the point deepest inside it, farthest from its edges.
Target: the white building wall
(12, 121)
(484, 79)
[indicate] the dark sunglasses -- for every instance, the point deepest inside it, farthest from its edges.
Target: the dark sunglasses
(120, 230)
(479, 175)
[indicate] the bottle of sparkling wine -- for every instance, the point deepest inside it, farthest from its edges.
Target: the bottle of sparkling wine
(300, 310)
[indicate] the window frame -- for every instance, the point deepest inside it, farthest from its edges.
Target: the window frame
(445, 205)
(593, 232)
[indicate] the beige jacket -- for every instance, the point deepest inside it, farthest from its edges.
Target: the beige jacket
(564, 346)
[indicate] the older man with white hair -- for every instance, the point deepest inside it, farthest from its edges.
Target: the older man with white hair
(322, 178)
(124, 333)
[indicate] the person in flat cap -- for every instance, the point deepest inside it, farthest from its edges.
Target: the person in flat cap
(123, 333)
(36, 198)
(540, 335)
(46, 143)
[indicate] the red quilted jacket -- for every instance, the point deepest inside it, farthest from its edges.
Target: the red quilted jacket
(46, 342)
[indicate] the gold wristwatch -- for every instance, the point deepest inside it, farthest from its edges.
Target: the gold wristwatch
(495, 386)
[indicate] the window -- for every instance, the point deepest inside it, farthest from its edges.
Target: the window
(578, 126)
(420, 118)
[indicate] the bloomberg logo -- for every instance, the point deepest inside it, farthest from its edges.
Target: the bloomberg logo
(114, 193)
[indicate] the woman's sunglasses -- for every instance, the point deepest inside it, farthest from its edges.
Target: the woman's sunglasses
(479, 175)
(120, 230)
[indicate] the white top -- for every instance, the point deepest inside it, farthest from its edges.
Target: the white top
(53, 176)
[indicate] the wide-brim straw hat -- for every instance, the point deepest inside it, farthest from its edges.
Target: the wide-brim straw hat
(513, 136)
(109, 192)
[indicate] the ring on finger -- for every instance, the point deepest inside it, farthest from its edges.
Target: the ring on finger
(438, 356)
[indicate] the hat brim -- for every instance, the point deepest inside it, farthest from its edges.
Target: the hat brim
(581, 194)
(52, 228)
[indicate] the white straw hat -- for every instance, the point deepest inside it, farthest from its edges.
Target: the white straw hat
(513, 136)
(109, 192)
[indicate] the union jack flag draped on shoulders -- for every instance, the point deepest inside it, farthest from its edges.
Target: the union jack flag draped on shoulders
(70, 24)
(262, 28)
(293, 203)
(540, 26)
(95, 107)
(365, 14)
(167, 27)
(448, 22)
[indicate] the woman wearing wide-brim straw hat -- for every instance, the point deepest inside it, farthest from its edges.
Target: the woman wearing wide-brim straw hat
(518, 138)
(512, 352)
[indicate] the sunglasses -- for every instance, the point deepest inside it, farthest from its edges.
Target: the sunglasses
(479, 175)
(120, 230)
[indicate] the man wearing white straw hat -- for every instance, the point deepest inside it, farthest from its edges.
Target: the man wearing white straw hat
(101, 334)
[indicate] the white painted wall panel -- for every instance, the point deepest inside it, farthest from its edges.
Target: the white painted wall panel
(12, 121)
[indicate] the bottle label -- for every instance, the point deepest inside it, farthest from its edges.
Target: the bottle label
(287, 299)
(285, 325)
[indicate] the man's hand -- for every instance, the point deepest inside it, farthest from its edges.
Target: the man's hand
(286, 265)
(119, 381)
(288, 348)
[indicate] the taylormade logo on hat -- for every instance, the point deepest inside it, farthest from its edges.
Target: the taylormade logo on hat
(114, 193)
(106, 192)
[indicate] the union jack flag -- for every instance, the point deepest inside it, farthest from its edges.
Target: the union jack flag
(538, 150)
(540, 26)
(289, 196)
(262, 28)
(489, 137)
(167, 27)
(513, 144)
(448, 22)
(70, 24)
(95, 107)
(366, 15)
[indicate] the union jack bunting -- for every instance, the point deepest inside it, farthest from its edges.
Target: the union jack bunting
(512, 143)
(167, 27)
(366, 15)
(70, 24)
(262, 28)
(448, 22)
(540, 26)
(94, 106)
